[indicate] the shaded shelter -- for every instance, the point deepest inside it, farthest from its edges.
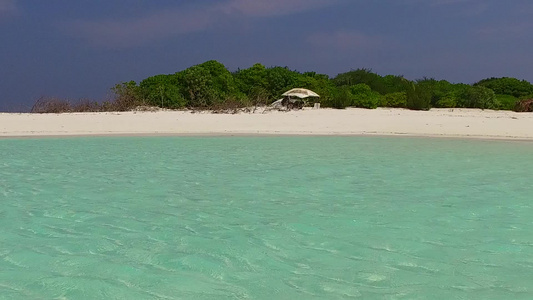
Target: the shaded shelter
(296, 98)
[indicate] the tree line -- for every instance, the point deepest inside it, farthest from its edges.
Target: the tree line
(210, 85)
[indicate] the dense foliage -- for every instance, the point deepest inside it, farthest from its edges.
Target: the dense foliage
(508, 86)
(210, 85)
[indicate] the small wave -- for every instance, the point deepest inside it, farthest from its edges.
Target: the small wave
(15, 263)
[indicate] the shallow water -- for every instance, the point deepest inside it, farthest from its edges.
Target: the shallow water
(265, 218)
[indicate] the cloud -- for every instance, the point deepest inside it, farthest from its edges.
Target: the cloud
(7, 6)
(440, 2)
(517, 31)
(462, 8)
(268, 8)
(448, 2)
(176, 21)
(126, 33)
(344, 40)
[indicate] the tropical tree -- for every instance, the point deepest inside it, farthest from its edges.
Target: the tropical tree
(507, 86)
(252, 79)
(163, 91)
(127, 96)
(206, 84)
(479, 97)
(363, 96)
(397, 99)
(418, 96)
(281, 79)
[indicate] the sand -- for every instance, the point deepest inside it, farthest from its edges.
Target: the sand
(461, 123)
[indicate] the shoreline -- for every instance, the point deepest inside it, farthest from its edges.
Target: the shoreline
(435, 123)
(222, 135)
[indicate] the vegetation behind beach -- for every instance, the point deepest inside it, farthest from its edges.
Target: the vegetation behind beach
(211, 86)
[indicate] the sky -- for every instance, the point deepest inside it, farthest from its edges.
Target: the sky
(80, 49)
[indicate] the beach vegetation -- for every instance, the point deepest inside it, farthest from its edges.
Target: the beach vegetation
(524, 105)
(127, 96)
(479, 97)
(281, 79)
(418, 96)
(507, 86)
(380, 84)
(397, 99)
(363, 96)
(211, 86)
(252, 81)
(394, 84)
(446, 102)
(319, 83)
(207, 84)
(56, 105)
(506, 102)
(440, 90)
(51, 105)
(163, 91)
(341, 99)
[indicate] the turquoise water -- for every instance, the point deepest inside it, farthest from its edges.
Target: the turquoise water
(265, 218)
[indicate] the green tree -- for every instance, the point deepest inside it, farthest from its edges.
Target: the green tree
(418, 97)
(251, 80)
(281, 79)
(380, 84)
(341, 98)
(363, 96)
(397, 99)
(163, 91)
(206, 84)
(507, 86)
(366, 76)
(394, 84)
(479, 97)
(506, 102)
(439, 90)
(127, 96)
(319, 83)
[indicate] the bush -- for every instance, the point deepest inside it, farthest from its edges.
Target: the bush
(57, 106)
(162, 91)
(86, 105)
(207, 84)
(446, 102)
(525, 105)
(51, 105)
(418, 97)
(479, 97)
(363, 96)
(507, 86)
(398, 99)
(506, 102)
(341, 99)
(127, 96)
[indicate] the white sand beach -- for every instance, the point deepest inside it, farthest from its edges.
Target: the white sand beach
(463, 123)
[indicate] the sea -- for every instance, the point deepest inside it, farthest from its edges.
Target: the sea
(265, 218)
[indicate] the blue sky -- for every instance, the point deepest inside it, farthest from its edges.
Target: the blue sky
(80, 49)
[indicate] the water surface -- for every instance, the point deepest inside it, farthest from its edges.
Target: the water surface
(265, 218)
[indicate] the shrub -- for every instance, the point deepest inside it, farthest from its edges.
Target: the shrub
(418, 97)
(479, 97)
(127, 96)
(525, 105)
(86, 105)
(447, 102)
(363, 96)
(507, 86)
(398, 99)
(51, 105)
(342, 98)
(506, 102)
